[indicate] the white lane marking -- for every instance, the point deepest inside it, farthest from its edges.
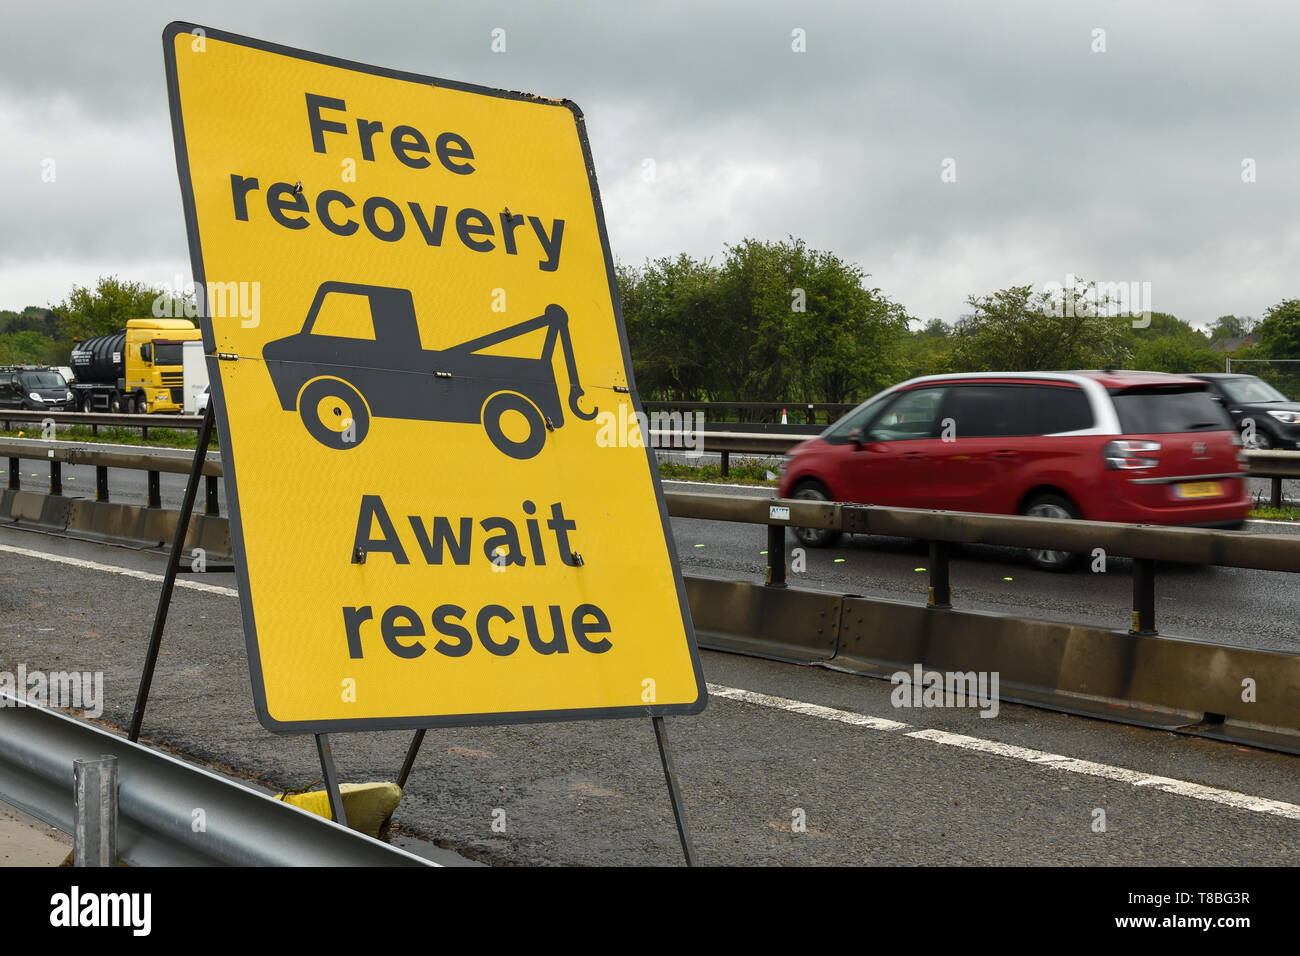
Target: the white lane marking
(801, 707)
(181, 582)
(1182, 788)
(718, 484)
(1136, 778)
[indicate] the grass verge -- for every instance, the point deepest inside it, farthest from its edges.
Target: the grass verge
(742, 473)
(1266, 513)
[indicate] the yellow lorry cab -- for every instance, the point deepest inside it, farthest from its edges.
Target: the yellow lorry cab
(135, 370)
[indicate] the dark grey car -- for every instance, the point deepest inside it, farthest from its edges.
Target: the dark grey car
(1266, 417)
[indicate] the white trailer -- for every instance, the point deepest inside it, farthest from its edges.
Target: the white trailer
(194, 369)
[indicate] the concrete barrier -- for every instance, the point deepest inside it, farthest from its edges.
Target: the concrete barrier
(784, 624)
(34, 509)
(1153, 681)
(114, 523)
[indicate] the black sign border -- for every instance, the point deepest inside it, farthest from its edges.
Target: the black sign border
(177, 28)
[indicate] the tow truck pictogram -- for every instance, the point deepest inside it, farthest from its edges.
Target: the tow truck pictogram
(338, 383)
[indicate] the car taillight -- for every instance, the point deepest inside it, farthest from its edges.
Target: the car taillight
(1126, 455)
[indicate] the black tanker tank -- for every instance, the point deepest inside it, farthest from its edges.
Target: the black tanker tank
(99, 360)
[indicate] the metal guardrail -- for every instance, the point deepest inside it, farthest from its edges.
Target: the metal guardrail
(170, 813)
(96, 420)
(1145, 544)
(153, 462)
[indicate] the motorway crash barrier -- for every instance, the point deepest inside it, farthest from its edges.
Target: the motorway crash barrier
(146, 527)
(35, 510)
(1135, 677)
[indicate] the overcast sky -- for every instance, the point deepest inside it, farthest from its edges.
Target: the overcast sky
(1121, 166)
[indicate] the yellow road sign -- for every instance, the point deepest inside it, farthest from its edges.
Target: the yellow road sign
(423, 390)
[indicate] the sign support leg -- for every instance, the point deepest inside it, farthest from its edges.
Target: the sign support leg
(169, 578)
(679, 811)
(409, 762)
(402, 777)
(331, 778)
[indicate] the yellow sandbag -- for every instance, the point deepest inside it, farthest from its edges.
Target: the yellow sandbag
(367, 805)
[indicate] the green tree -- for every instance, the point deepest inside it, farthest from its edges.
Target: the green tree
(1168, 344)
(106, 308)
(1017, 330)
(667, 307)
(803, 325)
(1174, 354)
(1232, 327)
(927, 351)
(775, 321)
(27, 347)
(1279, 331)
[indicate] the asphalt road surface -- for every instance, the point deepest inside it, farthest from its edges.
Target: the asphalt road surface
(787, 765)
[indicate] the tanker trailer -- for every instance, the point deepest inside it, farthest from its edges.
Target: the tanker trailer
(135, 370)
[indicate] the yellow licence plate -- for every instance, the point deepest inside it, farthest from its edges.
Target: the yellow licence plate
(1198, 489)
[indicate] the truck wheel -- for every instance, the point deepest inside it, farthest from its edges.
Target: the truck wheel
(334, 412)
(115, 404)
(498, 409)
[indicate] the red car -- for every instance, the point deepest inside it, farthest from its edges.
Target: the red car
(1103, 446)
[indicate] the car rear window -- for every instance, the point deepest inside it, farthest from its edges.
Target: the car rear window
(1166, 409)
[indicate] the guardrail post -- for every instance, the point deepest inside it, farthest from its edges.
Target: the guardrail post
(726, 463)
(1275, 493)
(94, 430)
(15, 475)
(210, 506)
(1144, 597)
(940, 591)
(144, 432)
(101, 482)
(94, 790)
(56, 477)
(776, 556)
(155, 492)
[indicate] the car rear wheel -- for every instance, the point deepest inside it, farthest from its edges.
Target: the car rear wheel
(1051, 506)
(814, 537)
